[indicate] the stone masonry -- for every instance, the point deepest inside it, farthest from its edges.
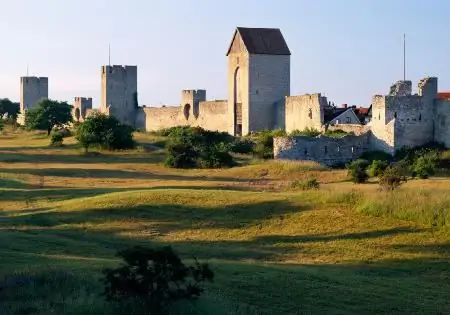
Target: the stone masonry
(32, 90)
(258, 78)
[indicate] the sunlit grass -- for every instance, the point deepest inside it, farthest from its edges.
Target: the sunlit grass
(344, 249)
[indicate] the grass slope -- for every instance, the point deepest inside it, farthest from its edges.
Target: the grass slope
(274, 250)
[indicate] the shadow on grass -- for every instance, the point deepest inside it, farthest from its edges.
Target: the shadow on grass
(114, 174)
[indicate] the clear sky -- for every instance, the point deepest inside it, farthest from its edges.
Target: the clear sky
(345, 49)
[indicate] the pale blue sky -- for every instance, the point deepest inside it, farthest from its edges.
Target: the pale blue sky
(345, 49)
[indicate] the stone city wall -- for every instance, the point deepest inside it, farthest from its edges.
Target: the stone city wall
(322, 149)
(304, 111)
(442, 122)
(212, 115)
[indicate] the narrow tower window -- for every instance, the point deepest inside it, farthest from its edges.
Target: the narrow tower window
(395, 114)
(420, 117)
(310, 113)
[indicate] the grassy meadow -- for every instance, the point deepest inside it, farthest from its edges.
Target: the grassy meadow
(342, 249)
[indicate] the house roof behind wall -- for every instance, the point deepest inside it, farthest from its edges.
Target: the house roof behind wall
(443, 95)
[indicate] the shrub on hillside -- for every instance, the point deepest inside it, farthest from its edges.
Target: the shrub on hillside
(152, 280)
(106, 132)
(57, 139)
(242, 146)
(377, 155)
(377, 168)
(189, 147)
(307, 185)
(357, 170)
(307, 132)
(263, 148)
(392, 178)
(424, 166)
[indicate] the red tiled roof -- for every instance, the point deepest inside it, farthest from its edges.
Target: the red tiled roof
(362, 111)
(443, 95)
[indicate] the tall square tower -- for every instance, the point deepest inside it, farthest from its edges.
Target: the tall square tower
(258, 79)
(119, 92)
(32, 90)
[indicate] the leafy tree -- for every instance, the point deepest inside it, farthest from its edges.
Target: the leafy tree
(47, 115)
(392, 178)
(57, 138)
(264, 143)
(154, 279)
(357, 170)
(424, 166)
(105, 131)
(377, 168)
(9, 108)
(189, 147)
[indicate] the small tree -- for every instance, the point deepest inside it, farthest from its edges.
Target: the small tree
(1, 125)
(155, 278)
(57, 139)
(9, 109)
(424, 166)
(392, 178)
(105, 131)
(47, 115)
(357, 171)
(377, 168)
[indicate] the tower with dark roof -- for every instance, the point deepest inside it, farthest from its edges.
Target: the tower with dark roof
(258, 79)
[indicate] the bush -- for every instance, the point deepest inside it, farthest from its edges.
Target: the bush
(263, 148)
(377, 168)
(357, 171)
(2, 125)
(377, 155)
(189, 147)
(57, 139)
(392, 178)
(105, 131)
(154, 279)
(338, 133)
(242, 146)
(307, 132)
(424, 166)
(308, 185)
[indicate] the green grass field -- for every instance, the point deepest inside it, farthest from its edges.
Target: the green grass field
(344, 249)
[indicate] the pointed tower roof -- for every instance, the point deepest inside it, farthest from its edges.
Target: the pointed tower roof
(262, 41)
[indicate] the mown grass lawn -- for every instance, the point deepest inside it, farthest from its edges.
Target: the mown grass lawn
(344, 249)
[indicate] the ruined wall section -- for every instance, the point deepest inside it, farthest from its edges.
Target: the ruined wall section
(322, 149)
(269, 82)
(442, 122)
(356, 129)
(119, 92)
(305, 111)
(401, 88)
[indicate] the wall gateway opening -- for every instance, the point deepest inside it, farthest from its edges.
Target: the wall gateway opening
(186, 111)
(237, 108)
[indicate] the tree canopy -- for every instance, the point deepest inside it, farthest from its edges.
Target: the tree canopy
(47, 115)
(105, 131)
(9, 108)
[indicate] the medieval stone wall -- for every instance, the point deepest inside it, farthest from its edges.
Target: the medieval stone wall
(212, 115)
(269, 82)
(32, 90)
(442, 122)
(356, 129)
(80, 108)
(304, 111)
(322, 149)
(119, 92)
